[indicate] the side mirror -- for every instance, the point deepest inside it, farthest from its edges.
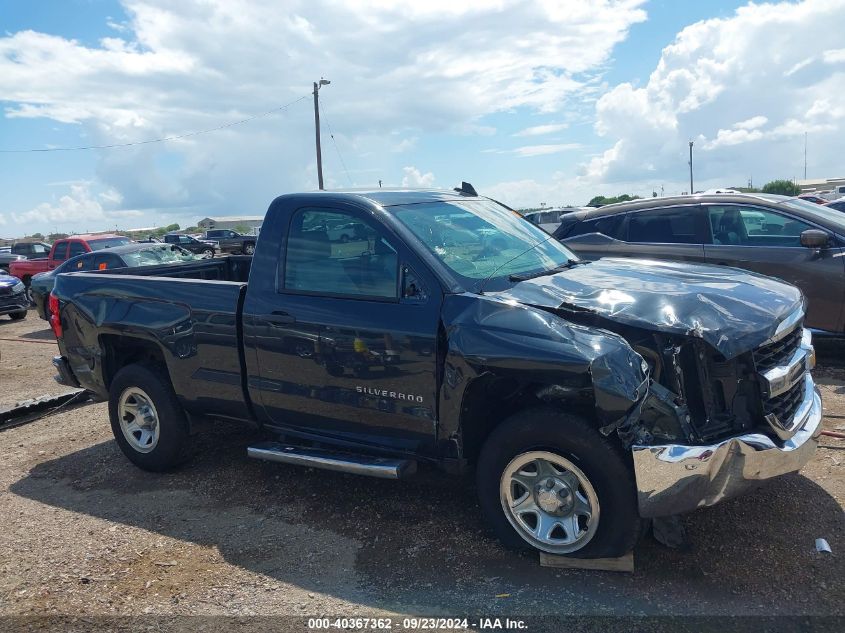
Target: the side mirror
(814, 238)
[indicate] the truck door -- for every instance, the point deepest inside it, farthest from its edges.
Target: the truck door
(345, 346)
(59, 254)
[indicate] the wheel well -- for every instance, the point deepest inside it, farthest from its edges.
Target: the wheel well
(120, 351)
(490, 400)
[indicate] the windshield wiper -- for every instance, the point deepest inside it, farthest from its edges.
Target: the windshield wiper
(543, 273)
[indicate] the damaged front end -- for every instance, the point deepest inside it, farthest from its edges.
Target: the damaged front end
(708, 428)
(729, 399)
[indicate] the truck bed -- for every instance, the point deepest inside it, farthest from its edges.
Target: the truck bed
(232, 268)
(187, 312)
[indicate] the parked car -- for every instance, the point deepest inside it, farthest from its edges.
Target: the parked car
(798, 241)
(839, 205)
(345, 232)
(586, 396)
(6, 259)
(836, 193)
(31, 249)
(22, 250)
(547, 220)
(130, 255)
(13, 299)
(192, 244)
(61, 251)
(232, 241)
(812, 198)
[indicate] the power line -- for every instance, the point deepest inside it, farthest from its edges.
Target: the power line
(155, 140)
(334, 142)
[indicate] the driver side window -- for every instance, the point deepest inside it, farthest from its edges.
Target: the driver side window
(336, 253)
(754, 226)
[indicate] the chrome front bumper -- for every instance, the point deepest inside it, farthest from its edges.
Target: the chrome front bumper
(672, 479)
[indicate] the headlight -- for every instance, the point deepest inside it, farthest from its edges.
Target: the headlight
(18, 287)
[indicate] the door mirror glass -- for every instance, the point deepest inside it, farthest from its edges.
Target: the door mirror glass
(814, 238)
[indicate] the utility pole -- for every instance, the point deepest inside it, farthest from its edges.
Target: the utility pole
(805, 156)
(691, 189)
(317, 86)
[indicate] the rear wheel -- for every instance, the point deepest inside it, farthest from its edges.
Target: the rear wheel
(148, 423)
(548, 480)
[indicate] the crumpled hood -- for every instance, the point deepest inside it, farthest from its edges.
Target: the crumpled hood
(732, 310)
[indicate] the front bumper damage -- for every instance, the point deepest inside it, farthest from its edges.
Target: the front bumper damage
(675, 478)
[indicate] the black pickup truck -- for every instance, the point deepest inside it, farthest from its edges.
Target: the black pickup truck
(232, 241)
(452, 332)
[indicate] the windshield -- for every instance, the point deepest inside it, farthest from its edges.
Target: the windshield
(162, 254)
(108, 242)
(479, 238)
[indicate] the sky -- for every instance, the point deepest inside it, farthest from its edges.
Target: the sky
(532, 102)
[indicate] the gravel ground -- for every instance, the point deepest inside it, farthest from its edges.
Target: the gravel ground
(83, 532)
(25, 369)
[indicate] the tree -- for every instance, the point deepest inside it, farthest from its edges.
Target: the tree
(37, 236)
(243, 229)
(600, 201)
(171, 227)
(782, 187)
(56, 236)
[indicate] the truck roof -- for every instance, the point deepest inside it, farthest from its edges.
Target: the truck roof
(87, 237)
(388, 196)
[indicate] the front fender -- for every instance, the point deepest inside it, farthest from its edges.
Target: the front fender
(534, 347)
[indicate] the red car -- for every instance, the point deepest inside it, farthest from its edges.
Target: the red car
(811, 198)
(62, 250)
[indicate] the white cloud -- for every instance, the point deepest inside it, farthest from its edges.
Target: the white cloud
(539, 130)
(752, 124)
(415, 178)
(834, 56)
(428, 67)
(76, 206)
(541, 150)
(762, 67)
(405, 144)
(80, 207)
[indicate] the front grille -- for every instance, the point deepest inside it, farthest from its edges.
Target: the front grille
(5, 290)
(779, 352)
(786, 404)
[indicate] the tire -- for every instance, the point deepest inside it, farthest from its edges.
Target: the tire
(208, 253)
(170, 445)
(249, 248)
(17, 316)
(610, 490)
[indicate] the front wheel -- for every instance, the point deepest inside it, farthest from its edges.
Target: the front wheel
(208, 253)
(17, 316)
(148, 423)
(249, 249)
(548, 480)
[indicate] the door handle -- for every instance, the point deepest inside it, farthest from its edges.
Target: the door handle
(280, 318)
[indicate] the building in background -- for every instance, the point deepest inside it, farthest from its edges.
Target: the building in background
(233, 222)
(830, 188)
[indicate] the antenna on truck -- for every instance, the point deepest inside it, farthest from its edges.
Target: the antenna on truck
(467, 189)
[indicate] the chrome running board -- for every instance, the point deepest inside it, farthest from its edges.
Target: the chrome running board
(356, 464)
